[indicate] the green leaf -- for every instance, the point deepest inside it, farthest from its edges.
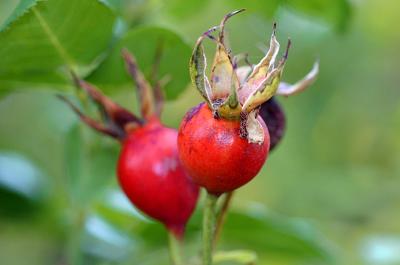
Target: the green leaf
(7, 8)
(144, 42)
(39, 46)
(22, 7)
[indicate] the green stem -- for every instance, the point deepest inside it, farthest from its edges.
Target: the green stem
(221, 216)
(175, 249)
(209, 219)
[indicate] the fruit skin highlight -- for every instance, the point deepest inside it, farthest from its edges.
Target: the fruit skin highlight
(215, 154)
(149, 170)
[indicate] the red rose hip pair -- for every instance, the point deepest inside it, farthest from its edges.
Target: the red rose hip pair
(149, 170)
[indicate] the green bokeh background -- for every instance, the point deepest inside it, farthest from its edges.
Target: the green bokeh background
(337, 171)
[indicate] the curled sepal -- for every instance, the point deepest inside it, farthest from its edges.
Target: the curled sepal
(116, 119)
(286, 89)
(222, 24)
(197, 68)
(223, 75)
(113, 112)
(114, 132)
(254, 130)
(144, 90)
(267, 87)
(266, 63)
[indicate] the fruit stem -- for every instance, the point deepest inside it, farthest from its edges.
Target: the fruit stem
(209, 219)
(175, 246)
(221, 216)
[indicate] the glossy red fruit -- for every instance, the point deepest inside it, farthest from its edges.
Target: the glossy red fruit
(149, 170)
(153, 178)
(215, 153)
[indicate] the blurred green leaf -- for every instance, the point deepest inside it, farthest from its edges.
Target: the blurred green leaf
(182, 9)
(101, 239)
(265, 8)
(246, 257)
(113, 4)
(90, 162)
(19, 10)
(144, 42)
(21, 176)
(39, 47)
(6, 9)
(337, 12)
(266, 232)
(22, 185)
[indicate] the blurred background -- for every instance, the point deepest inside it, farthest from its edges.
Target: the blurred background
(329, 193)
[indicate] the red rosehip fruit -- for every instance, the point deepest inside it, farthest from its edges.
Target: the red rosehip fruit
(224, 143)
(149, 170)
(215, 153)
(151, 175)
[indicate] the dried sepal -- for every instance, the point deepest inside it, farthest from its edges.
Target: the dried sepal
(223, 22)
(112, 111)
(267, 86)
(197, 68)
(255, 131)
(266, 63)
(260, 72)
(231, 107)
(263, 92)
(223, 76)
(286, 89)
(116, 119)
(114, 132)
(144, 90)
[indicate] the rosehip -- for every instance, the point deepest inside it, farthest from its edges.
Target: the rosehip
(149, 170)
(214, 152)
(224, 143)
